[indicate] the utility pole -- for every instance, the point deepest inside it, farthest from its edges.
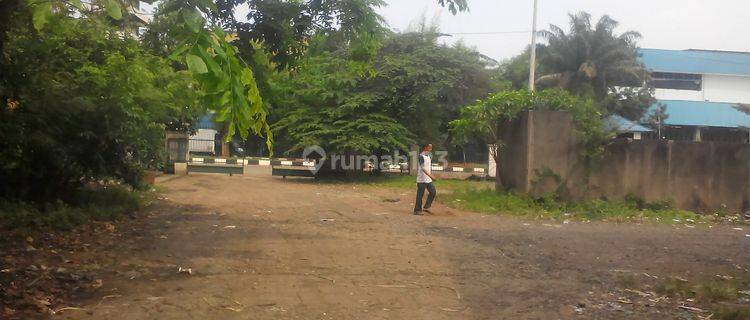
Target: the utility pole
(532, 59)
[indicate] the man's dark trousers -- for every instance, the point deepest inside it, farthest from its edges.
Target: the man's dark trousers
(420, 193)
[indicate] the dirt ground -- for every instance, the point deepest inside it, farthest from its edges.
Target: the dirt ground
(260, 247)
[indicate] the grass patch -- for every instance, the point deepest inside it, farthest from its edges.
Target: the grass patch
(673, 287)
(715, 291)
(710, 291)
(723, 298)
(100, 203)
(480, 196)
(399, 181)
(489, 201)
(627, 281)
(731, 312)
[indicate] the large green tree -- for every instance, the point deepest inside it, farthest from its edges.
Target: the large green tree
(591, 59)
(227, 82)
(410, 90)
(323, 106)
(88, 104)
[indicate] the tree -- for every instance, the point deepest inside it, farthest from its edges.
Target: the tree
(277, 33)
(88, 105)
(487, 119)
(593, 60)
(515, 70)
(414, 87)
(655, 119)
(628, 102)
(323, 106)
(423, 84)
(225, 82)
(228, 82)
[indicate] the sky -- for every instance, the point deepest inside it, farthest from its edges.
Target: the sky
(664, 24)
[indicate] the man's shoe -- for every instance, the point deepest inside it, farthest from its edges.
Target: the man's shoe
(418, 213)
(427, 210)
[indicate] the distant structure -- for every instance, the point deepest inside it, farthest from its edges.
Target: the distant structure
(702, 91)
(204, 140)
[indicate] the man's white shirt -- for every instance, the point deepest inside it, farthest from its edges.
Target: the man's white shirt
(425, 165)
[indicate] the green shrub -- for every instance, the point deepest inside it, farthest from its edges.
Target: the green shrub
(91, 105)
(673, 287)
(716, 291)
(101, 203)
(731, 312)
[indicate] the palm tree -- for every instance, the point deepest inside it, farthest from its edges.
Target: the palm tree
(591, 59)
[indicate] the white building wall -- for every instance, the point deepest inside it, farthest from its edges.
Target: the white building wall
(731, 89)
(672, 94)
(202, 141)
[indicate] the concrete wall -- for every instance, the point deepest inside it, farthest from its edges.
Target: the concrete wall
(513, 162)
(697, 176)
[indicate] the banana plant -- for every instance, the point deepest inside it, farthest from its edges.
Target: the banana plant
(227, 82)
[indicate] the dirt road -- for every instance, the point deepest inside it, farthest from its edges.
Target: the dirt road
(263, 248)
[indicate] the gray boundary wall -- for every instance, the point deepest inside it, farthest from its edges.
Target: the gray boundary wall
(542, 156)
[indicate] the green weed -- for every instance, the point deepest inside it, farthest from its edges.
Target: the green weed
(100, 203)
(673, 287)
(715, 291)
(732, 312)
(480, 196)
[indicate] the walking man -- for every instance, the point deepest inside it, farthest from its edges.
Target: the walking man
(424, 180)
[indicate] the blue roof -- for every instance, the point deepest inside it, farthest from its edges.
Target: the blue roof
(620, 124)
(696, 61)
(700, 113)
(206, 122)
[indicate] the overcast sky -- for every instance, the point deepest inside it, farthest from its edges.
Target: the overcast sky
(664, 24)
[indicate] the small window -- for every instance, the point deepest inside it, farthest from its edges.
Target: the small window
(678, 81)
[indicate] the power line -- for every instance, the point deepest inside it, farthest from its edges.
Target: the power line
(488, 32)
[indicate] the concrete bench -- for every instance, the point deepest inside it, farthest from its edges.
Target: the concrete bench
(226, 168)
(292, 171)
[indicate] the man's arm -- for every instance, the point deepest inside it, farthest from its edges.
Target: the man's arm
(431, 176)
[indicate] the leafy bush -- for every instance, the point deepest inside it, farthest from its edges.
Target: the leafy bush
(99, 203)
(84, 103)
(673, 287)
(729, 312)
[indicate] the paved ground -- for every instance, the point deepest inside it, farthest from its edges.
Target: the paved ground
(263, 248)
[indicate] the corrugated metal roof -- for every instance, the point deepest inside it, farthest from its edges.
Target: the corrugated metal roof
(620, 124)
(699, 113)
(696, 61)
